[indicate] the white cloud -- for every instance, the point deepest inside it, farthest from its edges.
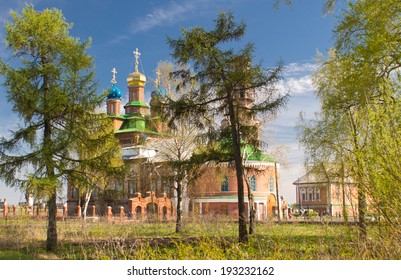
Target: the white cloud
(300, 85)
(296, 68)
(171, 14)
(281, 131)
(298, 78)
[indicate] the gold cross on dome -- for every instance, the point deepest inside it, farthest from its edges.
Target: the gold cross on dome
(114, 71)
(137, 54)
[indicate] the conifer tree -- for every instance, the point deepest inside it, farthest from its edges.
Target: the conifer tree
(49, 82)
(223, 74)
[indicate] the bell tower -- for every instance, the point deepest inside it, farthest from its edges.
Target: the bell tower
(136, 91)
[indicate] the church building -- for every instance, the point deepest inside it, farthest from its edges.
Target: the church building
(148, 189)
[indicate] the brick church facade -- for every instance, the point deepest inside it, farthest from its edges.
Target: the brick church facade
(148, 189)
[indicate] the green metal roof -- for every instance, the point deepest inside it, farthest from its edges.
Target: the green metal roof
(137, 104)
(257, 155)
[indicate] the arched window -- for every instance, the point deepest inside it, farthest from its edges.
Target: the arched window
(317, 194)
(310, 194)
(303, 194)
(271, 184)
(224, 184)
(253, 183)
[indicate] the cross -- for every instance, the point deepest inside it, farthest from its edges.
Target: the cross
(137, 55)
(114, 71)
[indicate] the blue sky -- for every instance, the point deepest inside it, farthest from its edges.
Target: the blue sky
(118, 27)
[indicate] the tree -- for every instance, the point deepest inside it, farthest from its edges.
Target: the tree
(224, 75)
(50, 84)
(358, 86)
(176, 145)
(328, 5)
(101, 162)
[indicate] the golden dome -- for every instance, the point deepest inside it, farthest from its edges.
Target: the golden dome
(136, 79)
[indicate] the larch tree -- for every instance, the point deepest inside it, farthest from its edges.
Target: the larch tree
(49, 82)
(223, 75)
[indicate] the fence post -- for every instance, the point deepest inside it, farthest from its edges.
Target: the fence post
(27, 210)
(5, 209)
(109, 213)
(93, 210)
(122, 213)
(15, 210)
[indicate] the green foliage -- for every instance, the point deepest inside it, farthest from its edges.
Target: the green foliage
(49, 83)
(225, 77)
(328, 5)
(356, 135)
(210, 240)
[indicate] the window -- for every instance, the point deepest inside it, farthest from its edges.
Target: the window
(224, 184)
(310, 194)
(74, 193)
(271, 184)
(317, 194)
(303, 194)
(253, 183)
(131, 187)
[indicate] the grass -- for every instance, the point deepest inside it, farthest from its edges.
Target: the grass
(210, 240)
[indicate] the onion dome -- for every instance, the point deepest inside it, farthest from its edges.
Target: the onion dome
(136, 79)
(114, 93)
(159, 92)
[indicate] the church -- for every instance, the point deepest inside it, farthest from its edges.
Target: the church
(148, 189)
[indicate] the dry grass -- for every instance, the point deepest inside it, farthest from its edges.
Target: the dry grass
(213, 238)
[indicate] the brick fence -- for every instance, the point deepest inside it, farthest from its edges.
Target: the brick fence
(10, 211)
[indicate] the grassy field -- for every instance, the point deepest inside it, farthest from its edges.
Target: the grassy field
(209, 240)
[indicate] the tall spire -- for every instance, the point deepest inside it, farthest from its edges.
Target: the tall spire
(137, 54)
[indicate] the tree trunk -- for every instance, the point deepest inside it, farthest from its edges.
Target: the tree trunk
(178, 224)
(51, 241)
(362, 212)
(277, 197)
(252, 211)
(242, 230)
(85, 208)
(361, 189)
